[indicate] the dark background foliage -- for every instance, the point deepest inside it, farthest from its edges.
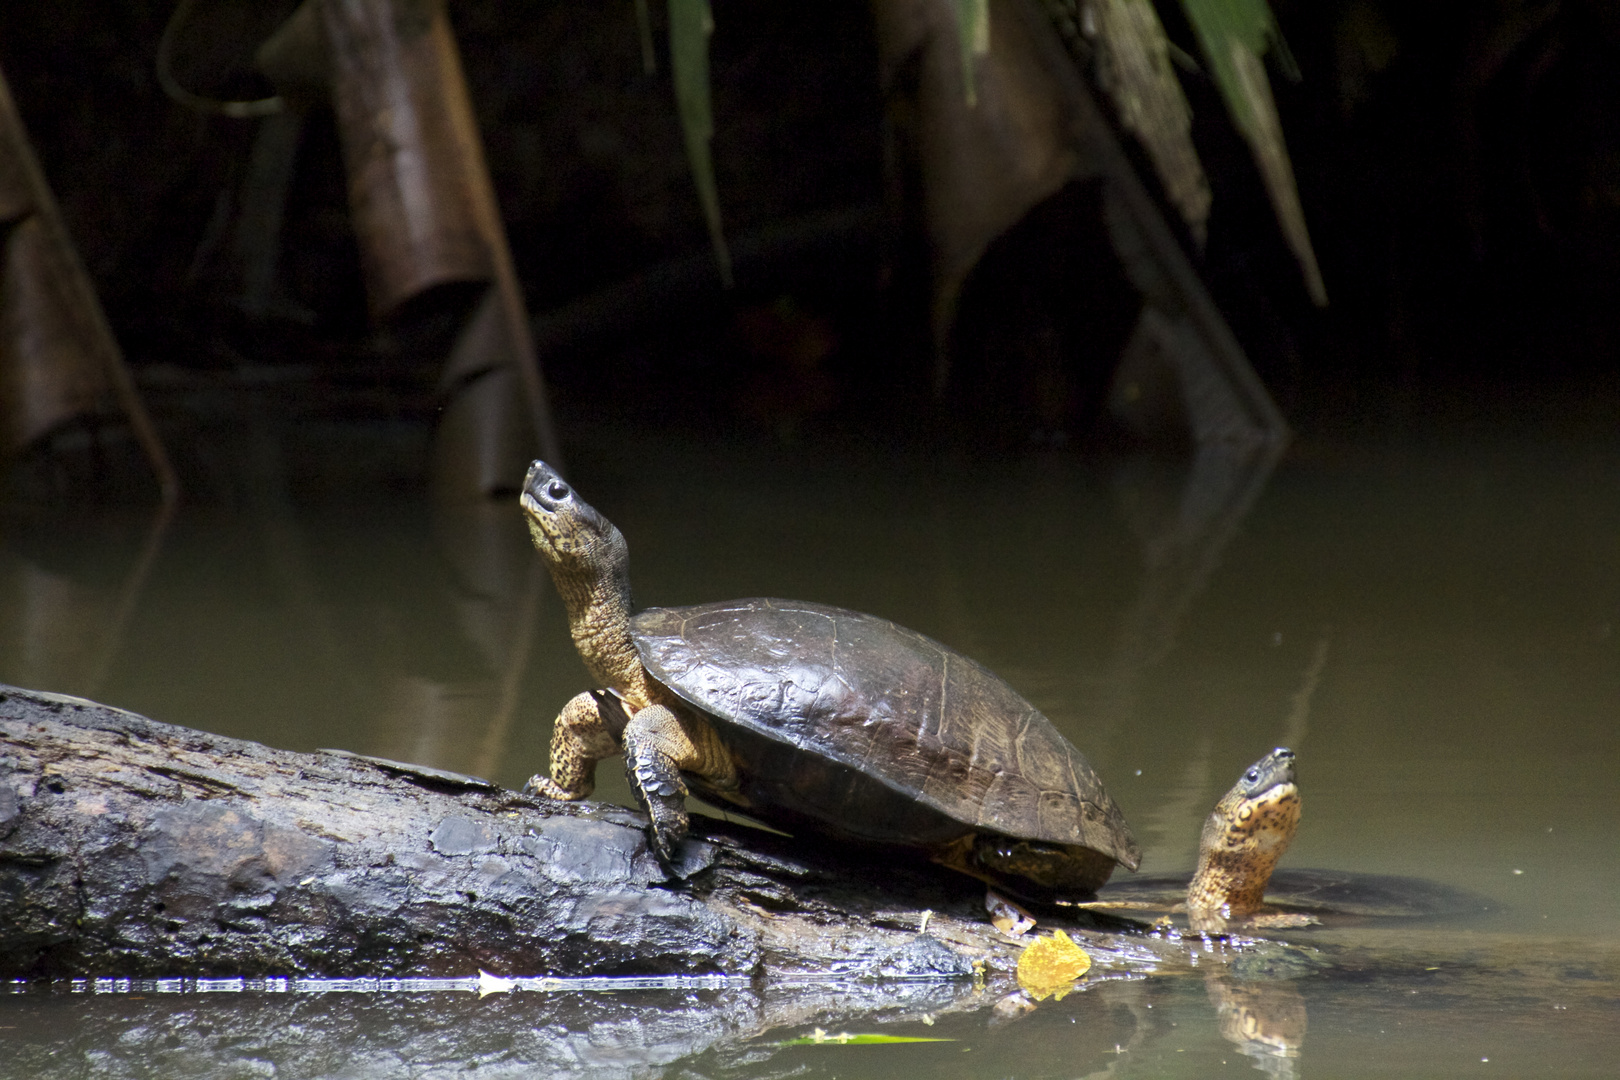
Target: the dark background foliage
(1459, 165)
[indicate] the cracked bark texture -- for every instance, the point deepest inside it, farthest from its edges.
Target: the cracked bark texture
(132, 848)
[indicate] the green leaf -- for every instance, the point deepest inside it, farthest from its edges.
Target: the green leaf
(973, 32)
(690, 25)
(844, 1038)
(1234, 35)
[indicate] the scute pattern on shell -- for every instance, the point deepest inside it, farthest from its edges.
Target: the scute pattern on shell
(891, 703)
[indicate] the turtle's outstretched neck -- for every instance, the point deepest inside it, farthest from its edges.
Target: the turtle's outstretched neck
(599, 607)
(659, 738)
(589, 563)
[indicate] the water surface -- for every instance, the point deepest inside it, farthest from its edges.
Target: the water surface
(1431, 625)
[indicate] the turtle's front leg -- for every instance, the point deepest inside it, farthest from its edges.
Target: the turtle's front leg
(654, 743)
(583, 737)
(658, 745)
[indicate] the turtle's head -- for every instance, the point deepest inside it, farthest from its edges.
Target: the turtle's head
(1065, 870)
(1274, 770)
(1261, 811)
(576, 541)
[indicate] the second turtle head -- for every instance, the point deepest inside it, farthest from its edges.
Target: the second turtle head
(1275, 768)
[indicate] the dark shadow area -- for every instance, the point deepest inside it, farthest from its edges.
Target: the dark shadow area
(1454, 170)
(1041, 324)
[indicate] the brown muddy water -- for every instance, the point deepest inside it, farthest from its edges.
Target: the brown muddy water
(1433, 624)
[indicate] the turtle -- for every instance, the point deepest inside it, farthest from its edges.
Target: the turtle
(1241, 841)
(1236, 884)
(812, 719)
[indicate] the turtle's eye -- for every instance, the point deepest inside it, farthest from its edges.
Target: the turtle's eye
(1252, 775)
(557, 490)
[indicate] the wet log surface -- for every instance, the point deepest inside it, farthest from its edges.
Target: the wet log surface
(132, 848)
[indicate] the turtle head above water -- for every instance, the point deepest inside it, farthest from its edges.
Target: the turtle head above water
(572, 536)
(1248, 832)
(1275, 768)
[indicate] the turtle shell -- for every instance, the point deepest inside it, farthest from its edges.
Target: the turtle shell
(876, 731)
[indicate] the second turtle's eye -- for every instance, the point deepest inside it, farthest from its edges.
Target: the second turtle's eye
(557, 489)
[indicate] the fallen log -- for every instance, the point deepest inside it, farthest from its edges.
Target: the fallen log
(133, 848)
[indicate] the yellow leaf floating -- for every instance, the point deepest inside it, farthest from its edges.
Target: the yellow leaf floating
(1049, 966)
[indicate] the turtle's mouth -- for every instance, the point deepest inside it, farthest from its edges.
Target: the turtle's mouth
(1277, 793)
(1274, 789)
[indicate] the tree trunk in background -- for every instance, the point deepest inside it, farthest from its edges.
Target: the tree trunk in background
(58, 358)
(1033, 127)
(425, 216)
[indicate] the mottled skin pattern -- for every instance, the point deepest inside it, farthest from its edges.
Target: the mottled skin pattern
(659, 736)
(1248, 832)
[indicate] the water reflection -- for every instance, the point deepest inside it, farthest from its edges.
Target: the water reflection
(495, 589)
(624, 1033)
(1430, 623)
(401, 631)
(59, 629)
(1264, 1020)
(56, 629)
(1184, 516)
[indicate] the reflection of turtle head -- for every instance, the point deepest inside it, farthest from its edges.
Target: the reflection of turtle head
(1251, 827)
(580, 546)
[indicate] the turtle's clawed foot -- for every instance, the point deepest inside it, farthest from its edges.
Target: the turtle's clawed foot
(658, 788)
(581, 738)
(656, 780)
(544, 786)
(665, 804)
